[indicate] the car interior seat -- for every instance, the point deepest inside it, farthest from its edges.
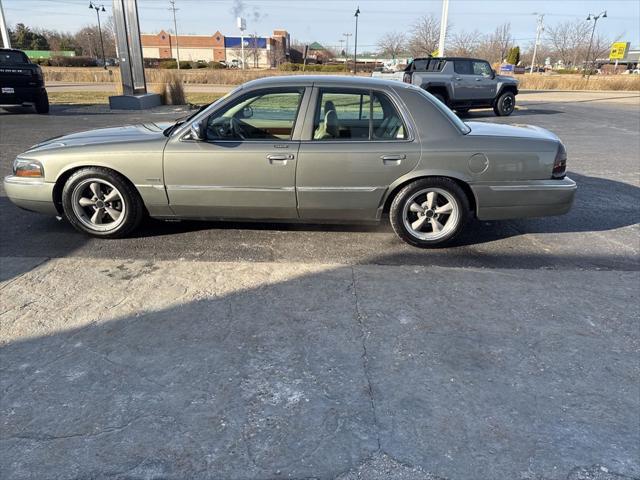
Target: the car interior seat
(330, 126)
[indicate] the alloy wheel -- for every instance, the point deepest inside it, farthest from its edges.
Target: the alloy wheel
(431, 214)
(98, 205)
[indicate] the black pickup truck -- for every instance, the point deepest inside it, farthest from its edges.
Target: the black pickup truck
(21, 81)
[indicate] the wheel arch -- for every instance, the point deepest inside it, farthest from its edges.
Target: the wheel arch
(394, 188)
(507, 88)
(64, 175)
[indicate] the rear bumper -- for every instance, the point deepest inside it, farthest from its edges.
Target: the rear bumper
(30, 194)
(21, 95)
(532, 198)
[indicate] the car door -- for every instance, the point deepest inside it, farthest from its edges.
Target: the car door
(485, 80)
(355, 143)
(244, 167)
(464, 80)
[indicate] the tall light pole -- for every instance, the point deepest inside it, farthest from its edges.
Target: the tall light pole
(175, 30)
(443, 27)
(6, 41)
(355, 48)
(346, 50)
(242, 25)
(539, 30)
(595, 19)
(98, 9)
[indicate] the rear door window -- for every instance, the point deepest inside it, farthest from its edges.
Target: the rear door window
(463, 67)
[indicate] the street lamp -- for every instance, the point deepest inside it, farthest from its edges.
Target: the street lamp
(595, 19)
(355, 48)
(98, 9)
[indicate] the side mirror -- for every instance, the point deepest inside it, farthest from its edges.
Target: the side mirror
(196, 131)
(493, 74)
(247, 112)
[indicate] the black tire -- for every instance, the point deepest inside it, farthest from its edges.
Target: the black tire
(42, 103)
(462, 111)
(505, 104)
(408, 195)
(129, 203)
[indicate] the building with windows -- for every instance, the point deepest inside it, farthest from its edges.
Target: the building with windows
(259, 52)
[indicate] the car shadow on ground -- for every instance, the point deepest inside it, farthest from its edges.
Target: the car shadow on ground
(518, 112)
(170, 370)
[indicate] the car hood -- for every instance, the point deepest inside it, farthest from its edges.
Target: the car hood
(506, 79)
(499, 130)
(128, 133)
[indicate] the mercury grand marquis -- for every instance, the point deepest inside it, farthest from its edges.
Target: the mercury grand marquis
(306, 149)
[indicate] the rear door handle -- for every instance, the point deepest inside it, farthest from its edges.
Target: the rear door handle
(393, 159)
(279, 158)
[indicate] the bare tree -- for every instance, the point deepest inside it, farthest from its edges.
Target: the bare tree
(494, 47)
(465, 44)
(253, 50)
(569, 41)
(425, 34)
(392, 44)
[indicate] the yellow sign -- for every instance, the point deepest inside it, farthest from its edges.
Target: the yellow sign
(618, 50)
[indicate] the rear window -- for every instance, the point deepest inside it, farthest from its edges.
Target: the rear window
(11, 58)
(427, 65)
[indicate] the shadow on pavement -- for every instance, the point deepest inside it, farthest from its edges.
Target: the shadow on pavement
(152, 370)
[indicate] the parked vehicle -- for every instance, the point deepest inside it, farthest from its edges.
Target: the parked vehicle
(464, 83)
(305, 149)
(21, 81)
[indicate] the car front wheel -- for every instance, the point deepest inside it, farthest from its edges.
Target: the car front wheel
(505, 104)
(429, 212)
(101, 202)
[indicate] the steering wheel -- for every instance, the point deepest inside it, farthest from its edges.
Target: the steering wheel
(236, 128)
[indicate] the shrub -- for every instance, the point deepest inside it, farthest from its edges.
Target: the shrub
(199, 64)
(184, 65)
(289, 67)
(168, 64)
(72, 62)
(215, 65)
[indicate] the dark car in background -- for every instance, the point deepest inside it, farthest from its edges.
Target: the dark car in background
(21, 81)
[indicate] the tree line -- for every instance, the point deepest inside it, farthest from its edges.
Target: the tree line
(567, 42)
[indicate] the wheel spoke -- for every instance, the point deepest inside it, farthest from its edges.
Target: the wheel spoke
(113, 213)
(97, 216)
(414, 207)
(418, 223)
(86, 202)
(431, 199)
(113, 195)
(95, 188)
(446, 208)
(436, 225)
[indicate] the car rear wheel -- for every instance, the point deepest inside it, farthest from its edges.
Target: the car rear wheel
(101, 202)
(429, 212)
(42, 102)
(505, 104)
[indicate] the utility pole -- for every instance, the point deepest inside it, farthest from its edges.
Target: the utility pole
(6, 41)
(346, 51)
(443, 27)
(175, 30)
(595, 19)
(242, 25)
(355, 49)
(539, 30)
(98, 9)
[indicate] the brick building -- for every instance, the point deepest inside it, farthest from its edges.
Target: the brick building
(260, 52)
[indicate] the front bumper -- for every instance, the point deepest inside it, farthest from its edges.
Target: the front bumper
(30, 194)
(531, 198)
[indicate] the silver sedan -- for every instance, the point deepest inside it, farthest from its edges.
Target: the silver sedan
(306, 149)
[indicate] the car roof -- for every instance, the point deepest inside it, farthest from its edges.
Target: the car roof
(308, 80)
(450, 58)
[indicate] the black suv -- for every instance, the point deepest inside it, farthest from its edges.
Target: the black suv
(21, 81)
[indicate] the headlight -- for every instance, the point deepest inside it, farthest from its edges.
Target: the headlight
(23, 167)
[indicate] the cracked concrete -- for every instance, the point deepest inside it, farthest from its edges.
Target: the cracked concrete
(180, 369)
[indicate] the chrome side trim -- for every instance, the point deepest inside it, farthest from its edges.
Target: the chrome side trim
(511, 188)
(339, 189)
(230, 189)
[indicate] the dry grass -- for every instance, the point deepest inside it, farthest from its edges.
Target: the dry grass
(98, 98)
(577, 82)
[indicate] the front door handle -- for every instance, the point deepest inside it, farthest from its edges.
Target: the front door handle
(458, 78)
(478, 79)
(279, 158)
(393, 159)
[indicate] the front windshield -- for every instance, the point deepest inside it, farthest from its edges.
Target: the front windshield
(464, 128)
(187, 118)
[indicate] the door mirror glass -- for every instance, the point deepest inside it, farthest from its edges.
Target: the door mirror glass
(247, 112)
(196, 131)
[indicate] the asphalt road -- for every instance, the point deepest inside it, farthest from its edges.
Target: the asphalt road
(600, 232)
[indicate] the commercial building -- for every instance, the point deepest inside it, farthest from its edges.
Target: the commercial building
(259, 52)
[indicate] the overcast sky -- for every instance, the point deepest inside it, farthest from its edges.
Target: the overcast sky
(326, 20)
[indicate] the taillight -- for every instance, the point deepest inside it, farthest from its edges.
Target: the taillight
(560, 163)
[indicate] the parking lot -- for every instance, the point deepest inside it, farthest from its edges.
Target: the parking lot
(260, 351)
